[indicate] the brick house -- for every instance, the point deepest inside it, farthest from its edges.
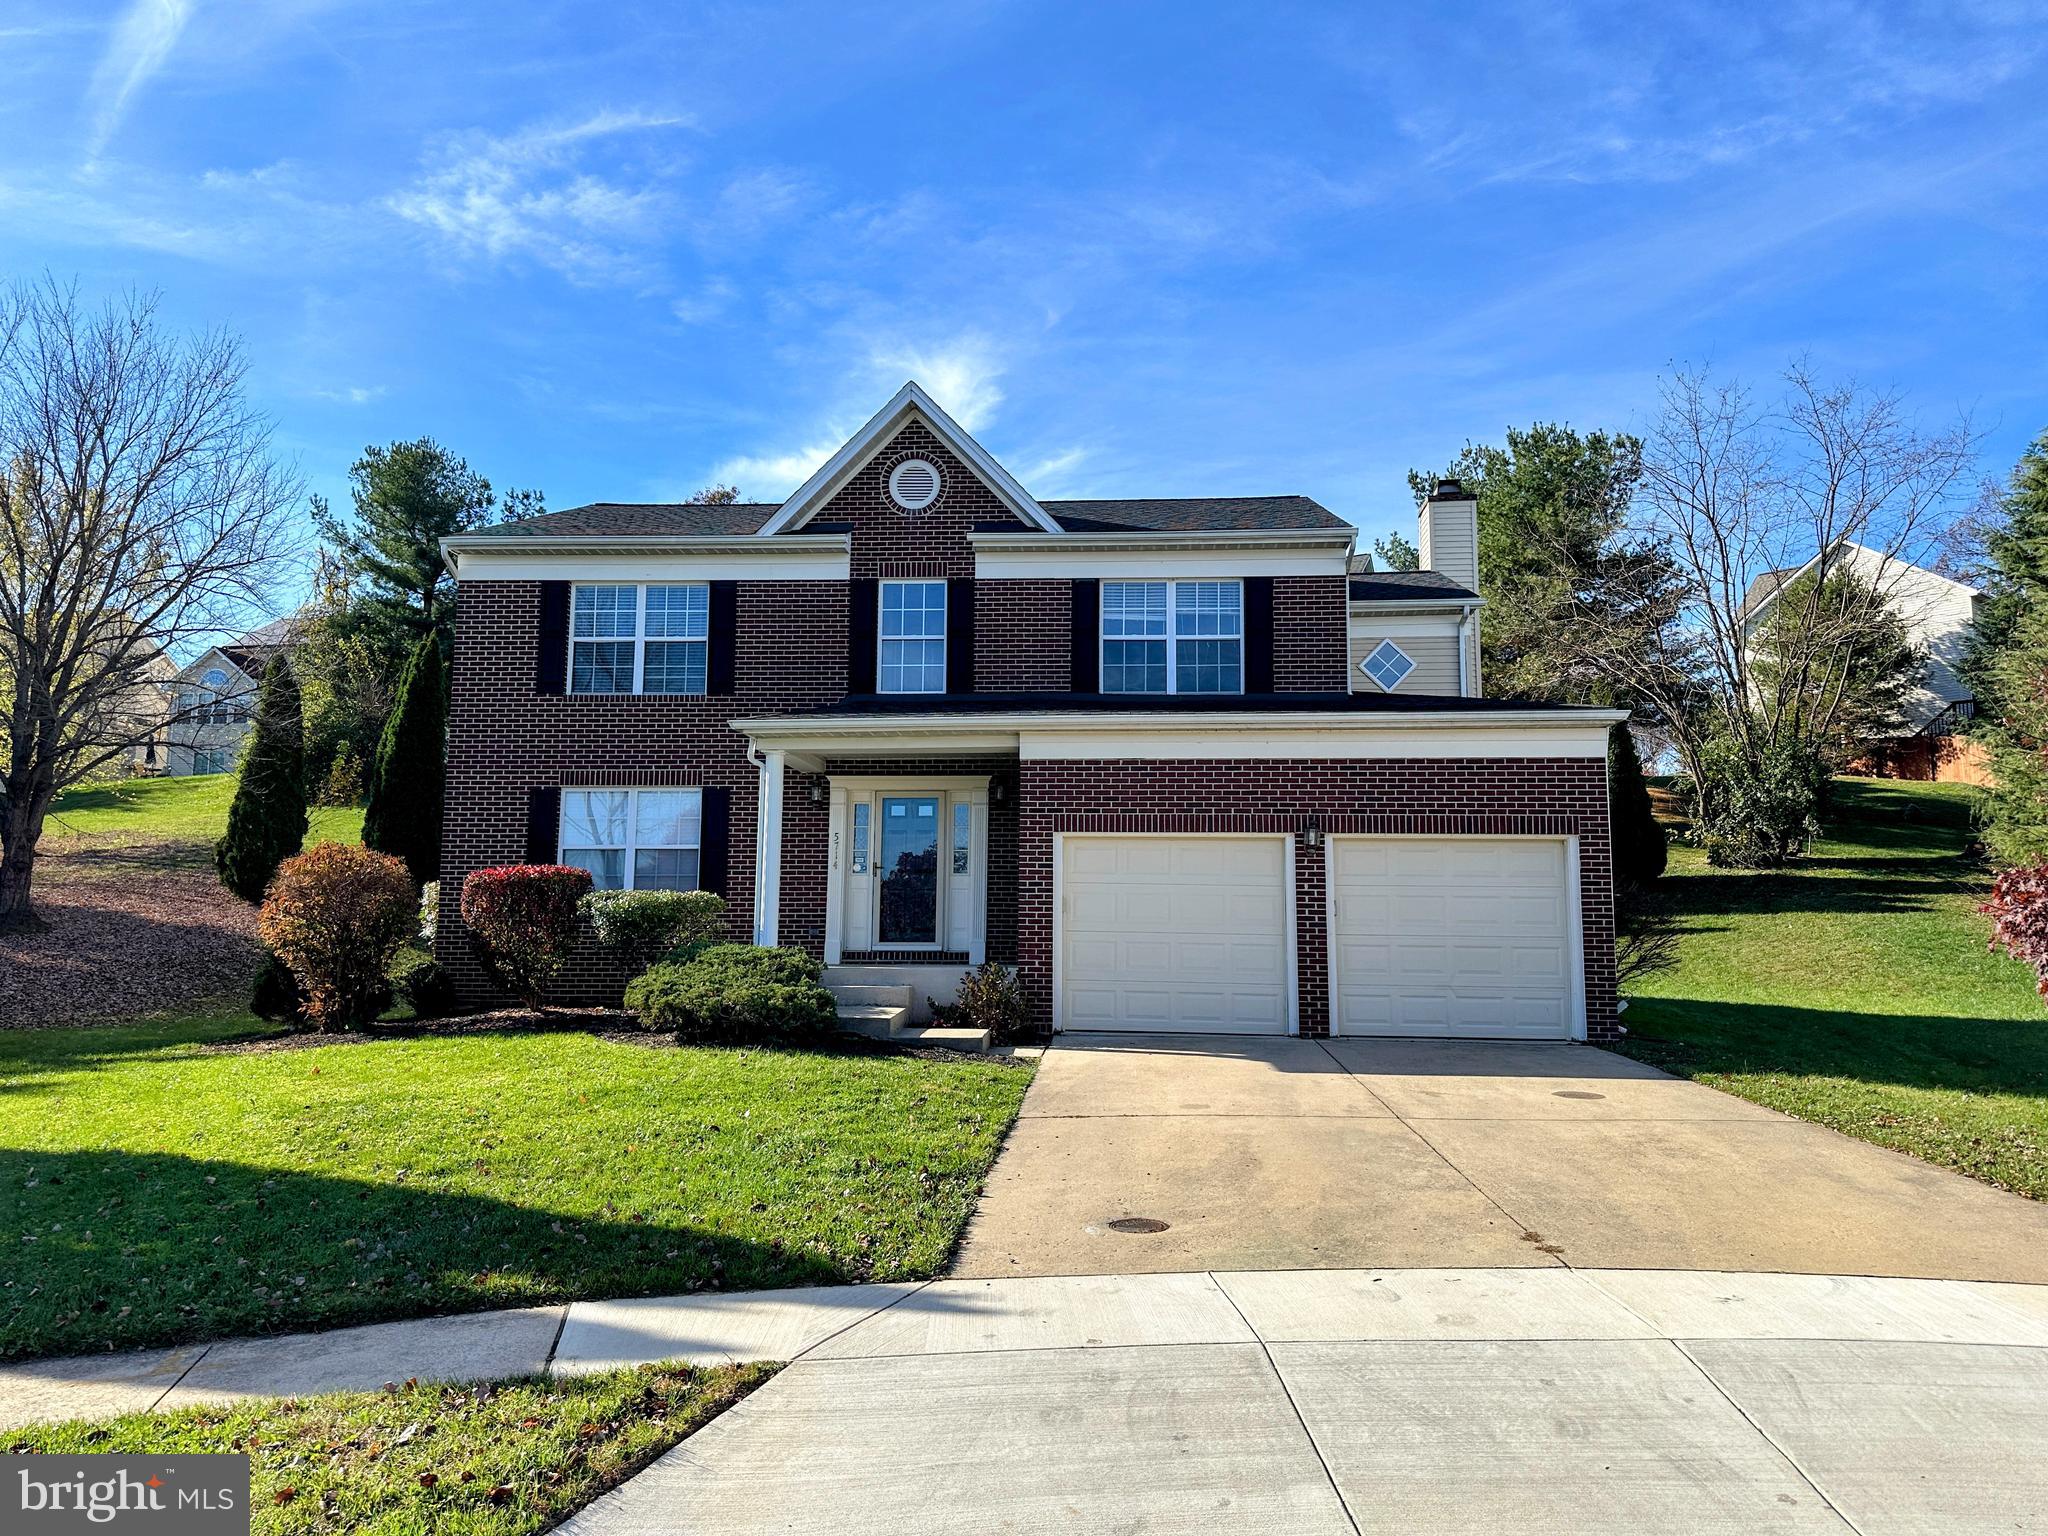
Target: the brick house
(1187, 764)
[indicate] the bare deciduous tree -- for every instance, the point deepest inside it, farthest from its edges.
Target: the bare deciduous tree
(1833, 481)
(140, 512)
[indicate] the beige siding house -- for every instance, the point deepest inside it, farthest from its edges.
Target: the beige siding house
(1417, 632)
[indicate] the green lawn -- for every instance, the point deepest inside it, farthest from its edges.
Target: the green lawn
(152, 1191)
(188, 810)
(1855, 990)
(499, 1459)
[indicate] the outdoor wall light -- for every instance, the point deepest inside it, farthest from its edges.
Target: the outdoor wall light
(1312, 834)
(817, 793)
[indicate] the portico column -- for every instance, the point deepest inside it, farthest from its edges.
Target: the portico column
(768, 852)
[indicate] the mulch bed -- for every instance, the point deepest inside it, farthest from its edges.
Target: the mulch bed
(127, 930)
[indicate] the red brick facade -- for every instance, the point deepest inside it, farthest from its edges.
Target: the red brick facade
(790, 657)
(1412, 797)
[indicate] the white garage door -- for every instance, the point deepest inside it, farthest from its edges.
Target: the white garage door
(1174, 933)
(1451, 937)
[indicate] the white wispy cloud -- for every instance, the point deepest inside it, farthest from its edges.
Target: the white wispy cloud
(961, 374)
(353, 395)
(534, 193)
(711, 298)
(142, 40)
(772, 476)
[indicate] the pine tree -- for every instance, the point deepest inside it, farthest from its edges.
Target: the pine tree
(267, 820)
(1636, 839)
(404, 815)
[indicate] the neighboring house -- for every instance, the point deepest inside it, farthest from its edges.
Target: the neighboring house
(914, 717)
(1938, 613)
(213, 699)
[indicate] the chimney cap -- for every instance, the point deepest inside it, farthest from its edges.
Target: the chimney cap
(1449, 489)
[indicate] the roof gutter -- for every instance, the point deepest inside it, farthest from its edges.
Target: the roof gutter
(1225, 538)
(1167, 720)
(454, 547)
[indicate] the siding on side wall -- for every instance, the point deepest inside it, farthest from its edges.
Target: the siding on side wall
(1435, 658)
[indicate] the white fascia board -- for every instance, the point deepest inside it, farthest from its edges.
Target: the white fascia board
(1251, 734)
(1280, 552)
(909, 401)
(1366, 607)
(644, 557)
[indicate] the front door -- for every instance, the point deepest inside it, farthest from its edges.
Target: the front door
(910, 869)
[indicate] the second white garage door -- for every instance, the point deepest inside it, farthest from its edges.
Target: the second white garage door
(1466, 938)
(1174, 933)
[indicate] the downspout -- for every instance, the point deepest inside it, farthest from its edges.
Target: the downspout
(1464, 654)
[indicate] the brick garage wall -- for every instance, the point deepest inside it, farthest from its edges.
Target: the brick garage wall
(1411, 797)
(1311, 634)
(504, 739)
(887, 541)
(1023, 636)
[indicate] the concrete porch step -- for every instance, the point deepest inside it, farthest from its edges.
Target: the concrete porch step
(952, 1038)
(878, 1021)
(863, 996)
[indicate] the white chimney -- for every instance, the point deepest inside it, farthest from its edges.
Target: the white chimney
(1449, 542)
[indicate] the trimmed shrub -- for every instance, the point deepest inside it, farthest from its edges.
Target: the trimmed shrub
(267, 818)
(736, 994)
(1637, 839)
(275, 993)
(335, 916)
(1756, 814)
(991, 998)
(639, 927)
(2018, 910)
(403, 817)
(523, 918)
(418, 978)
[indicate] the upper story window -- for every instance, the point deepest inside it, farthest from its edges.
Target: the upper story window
(634, 839)
(635, 639)
(913, 637)
(1173, 637)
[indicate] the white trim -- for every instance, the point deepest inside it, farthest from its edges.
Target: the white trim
(1575, 917)
(1289, 937)
(1465, 688)
(1387, 641)
(631, 846)
(1171, 746)
(1157, 556)
(1364, 607)
(768, 851)
(945, 637)
(1171, 637)
(639, 640)
(970, 789)
(896, 490)
(657, 558)
(1883, 559)
(906, 404)
(1414, 626)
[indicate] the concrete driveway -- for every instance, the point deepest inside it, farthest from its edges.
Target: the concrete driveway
(1298, 1154)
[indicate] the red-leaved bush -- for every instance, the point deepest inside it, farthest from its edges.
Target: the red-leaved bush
(2018, 910)
(334, 916)
(523, 918)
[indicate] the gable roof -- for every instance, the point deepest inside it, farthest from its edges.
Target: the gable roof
(1764, 587)
(908, 403)
(1412, 586)
(1183, 514)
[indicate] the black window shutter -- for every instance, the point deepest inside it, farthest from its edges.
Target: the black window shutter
(724, 615)
(863, 603)
(1087, 657)
(543, 823)
(715, 839)
(551, 660)
(960, 635)
(1258, 634)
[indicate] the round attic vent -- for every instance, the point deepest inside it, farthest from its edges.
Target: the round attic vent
(914, 484)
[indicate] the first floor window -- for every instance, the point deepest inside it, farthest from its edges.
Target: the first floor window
(913, 637)
(633, 639)
(634, 839)
(1173, 637)
(210, 762)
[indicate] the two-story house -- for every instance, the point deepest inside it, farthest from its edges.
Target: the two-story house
(1174, 759)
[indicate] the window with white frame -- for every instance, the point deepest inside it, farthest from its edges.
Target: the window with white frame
(635, 639)
(634, 839)
(216, 761)
(913, 637)
(1173, 637)
(1387, 665)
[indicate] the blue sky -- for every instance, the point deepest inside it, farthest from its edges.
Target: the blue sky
(618, 251)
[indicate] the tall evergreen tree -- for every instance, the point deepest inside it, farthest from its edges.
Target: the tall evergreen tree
(1636, 838)
(2015, 548)
(267, 819)
(2007, 665)
(404, 815)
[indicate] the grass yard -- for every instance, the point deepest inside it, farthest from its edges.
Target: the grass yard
(1855, 990)
(157, 1188)
(191, 810)
(500, 1459)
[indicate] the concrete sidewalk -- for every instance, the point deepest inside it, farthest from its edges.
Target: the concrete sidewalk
(1300, 1401)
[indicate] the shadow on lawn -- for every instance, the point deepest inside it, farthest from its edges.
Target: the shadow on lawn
(1904, 1050)
(114, 1250)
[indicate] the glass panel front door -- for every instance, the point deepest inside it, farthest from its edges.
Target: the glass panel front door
(909, 867)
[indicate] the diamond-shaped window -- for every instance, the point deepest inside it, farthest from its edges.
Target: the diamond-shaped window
(1387, 665)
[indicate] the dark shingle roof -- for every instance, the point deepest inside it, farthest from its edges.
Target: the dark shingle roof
(1764, 584)
(1189, 514)
(1410, 586)
(1174, 703)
